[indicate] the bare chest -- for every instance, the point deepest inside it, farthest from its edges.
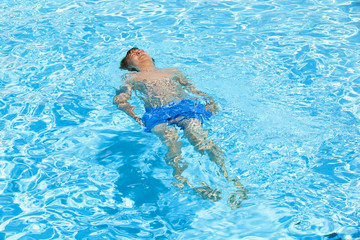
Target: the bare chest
(155, 81)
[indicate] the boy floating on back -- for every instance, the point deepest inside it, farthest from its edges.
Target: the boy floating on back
(168, 98)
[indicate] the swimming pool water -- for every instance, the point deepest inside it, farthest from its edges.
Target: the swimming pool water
(285, 73)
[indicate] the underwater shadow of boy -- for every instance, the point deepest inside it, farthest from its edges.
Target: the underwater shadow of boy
(170, 99)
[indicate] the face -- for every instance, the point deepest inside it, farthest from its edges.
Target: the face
(137, 56)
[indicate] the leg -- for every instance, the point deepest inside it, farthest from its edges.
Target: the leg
(198, 138)
(169, 136)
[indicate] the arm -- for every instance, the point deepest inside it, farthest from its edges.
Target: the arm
(121, 100)
(186, 83)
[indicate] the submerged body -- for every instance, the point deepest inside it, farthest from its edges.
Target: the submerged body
(158, 87)
(170, 99)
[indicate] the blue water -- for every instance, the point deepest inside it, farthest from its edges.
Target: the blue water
(285, 73)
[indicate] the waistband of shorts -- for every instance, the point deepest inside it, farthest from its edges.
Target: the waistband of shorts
(171, 104)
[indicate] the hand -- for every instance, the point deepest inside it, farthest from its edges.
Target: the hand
(212, 106)
(137, 119)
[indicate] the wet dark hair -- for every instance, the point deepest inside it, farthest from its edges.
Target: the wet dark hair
(124, 62)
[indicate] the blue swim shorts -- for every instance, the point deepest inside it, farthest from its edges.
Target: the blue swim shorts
(164, 114)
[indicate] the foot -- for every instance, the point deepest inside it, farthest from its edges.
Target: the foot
(240, 194)
(241, 190)
(208, 193)
(234, 203)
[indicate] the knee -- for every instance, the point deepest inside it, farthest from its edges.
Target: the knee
(209, 147)
(200, 145)
(196, 135)
(173, 138)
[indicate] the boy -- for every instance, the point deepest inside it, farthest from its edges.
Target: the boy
(167, 95)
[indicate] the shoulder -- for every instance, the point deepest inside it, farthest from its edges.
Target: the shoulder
(129, 78)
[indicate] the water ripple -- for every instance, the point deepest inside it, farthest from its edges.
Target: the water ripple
(285, 74)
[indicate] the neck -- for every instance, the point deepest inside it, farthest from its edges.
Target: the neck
(146, 67)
